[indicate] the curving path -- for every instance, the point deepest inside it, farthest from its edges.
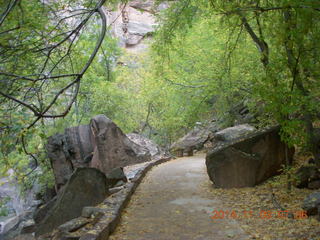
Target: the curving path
(173, 202)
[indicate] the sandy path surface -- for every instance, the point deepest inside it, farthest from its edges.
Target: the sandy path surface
(173, 202)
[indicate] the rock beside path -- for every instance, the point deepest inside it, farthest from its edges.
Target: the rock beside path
(247, 161)
(86, 187)
(112, 148)
(154, 149)
(100, 144)
(115, 176)
(193, 140)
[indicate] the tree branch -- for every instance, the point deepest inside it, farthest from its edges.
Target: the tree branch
(7, 11)
(261, 44)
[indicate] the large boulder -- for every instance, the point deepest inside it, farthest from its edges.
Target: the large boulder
(86, 187)
(112, 147)
(101, 145)
(248, 160)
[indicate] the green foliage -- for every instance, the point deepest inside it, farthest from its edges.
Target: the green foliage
(26, 36)
(3, 209)
(283, 91)
(203, 63)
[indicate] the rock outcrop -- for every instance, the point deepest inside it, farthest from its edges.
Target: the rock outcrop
(248, 160)
(133, 22)
(86, 187)
(101, 145)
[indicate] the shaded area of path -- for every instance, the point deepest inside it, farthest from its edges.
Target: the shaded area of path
(173, 202)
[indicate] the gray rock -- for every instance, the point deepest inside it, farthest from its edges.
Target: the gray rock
(115, 176)
(142, 5)
(136, 25)
(74, 224)
(139, 28)
(80, 145)
(14, 226)
(86, 187)
(28, 227)
(68, 151)
(248, 161)
(62, 236)
(9, 223)
(28, 236)
(195, 139)
(59, 155)
(41, 212)
(115, 189)
(88, 212)
(306, 175)
(119, 183)
(133, 40)
(154, 150)
(19, 205)
(232, 133)
(311, 203)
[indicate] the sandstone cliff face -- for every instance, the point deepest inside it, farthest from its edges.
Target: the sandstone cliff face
(133, 23)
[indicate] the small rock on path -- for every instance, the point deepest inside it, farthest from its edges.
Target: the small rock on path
(173, 202)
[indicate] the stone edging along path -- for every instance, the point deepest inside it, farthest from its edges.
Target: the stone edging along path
(97, 223)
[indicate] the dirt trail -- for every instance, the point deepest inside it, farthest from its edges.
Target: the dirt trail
(173, 203)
